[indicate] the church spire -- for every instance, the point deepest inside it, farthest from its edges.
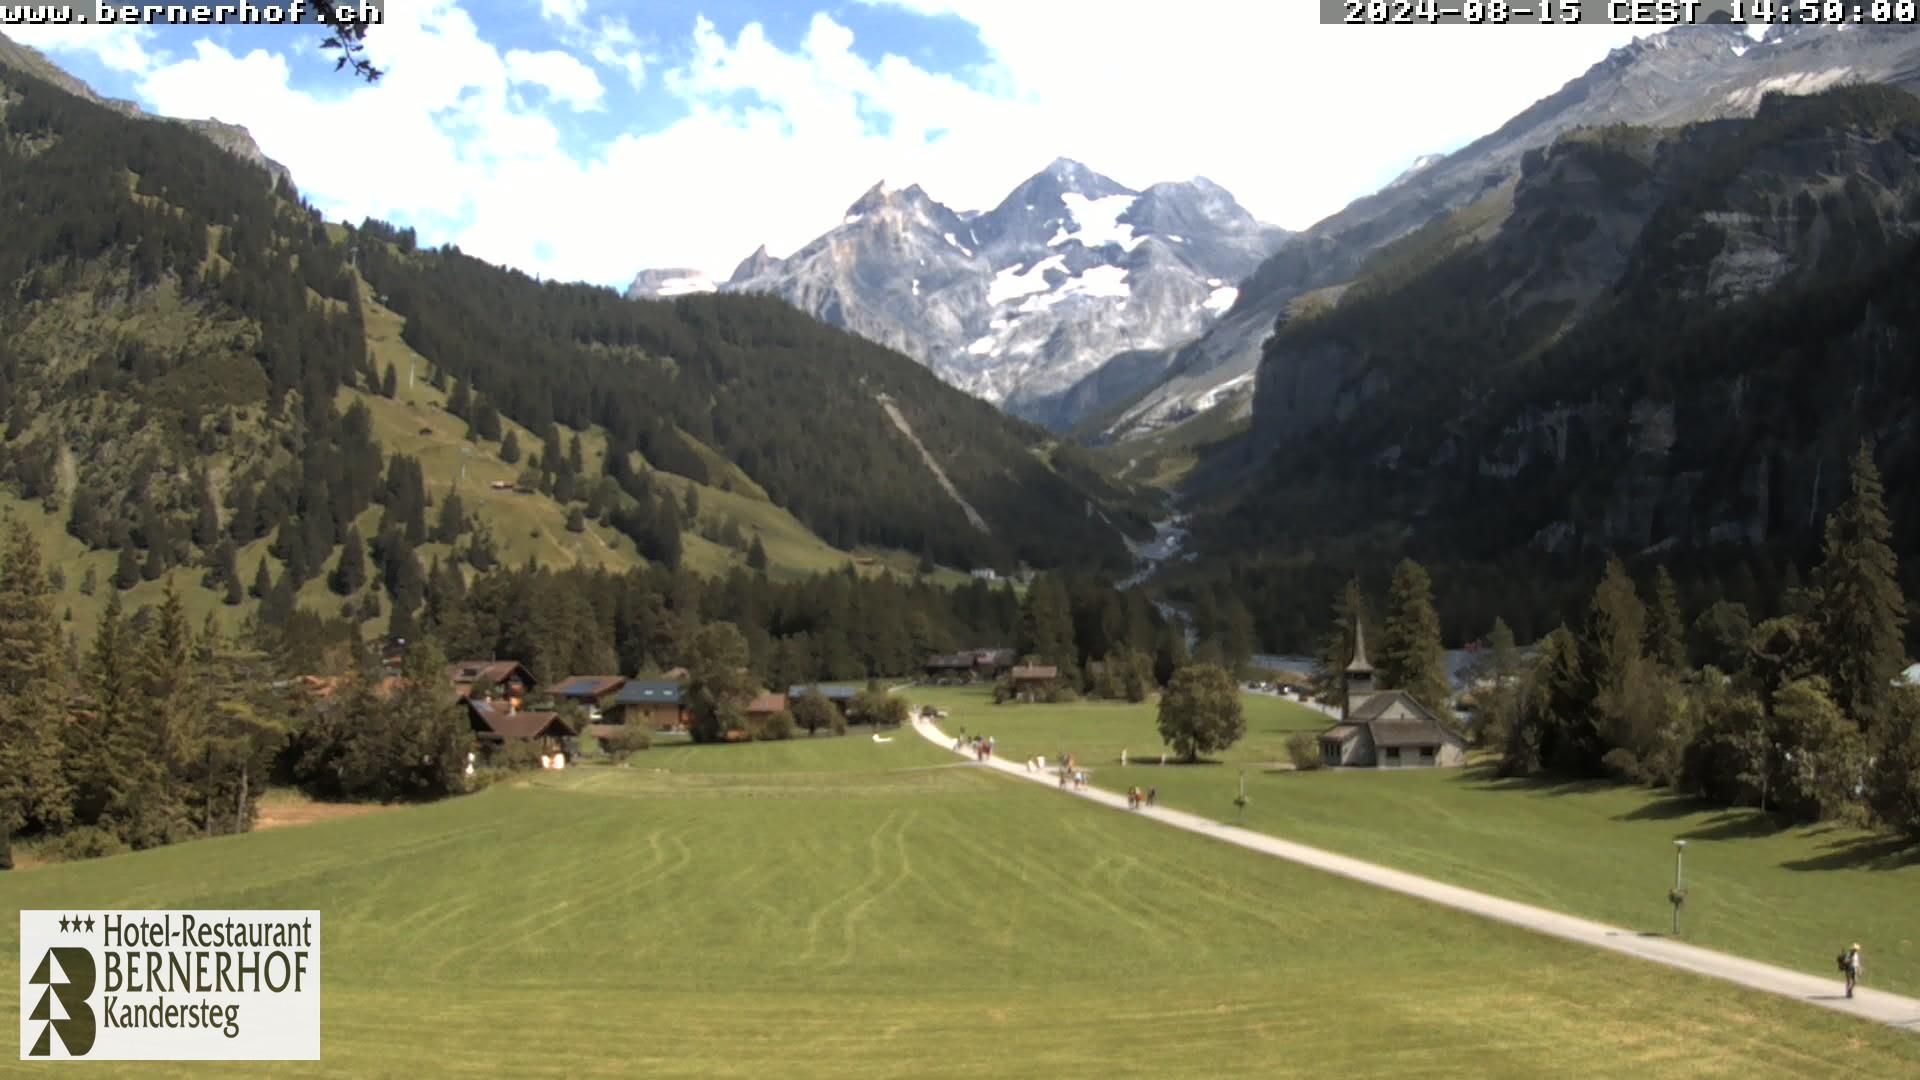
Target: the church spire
(1359, 672)
(1359, 665)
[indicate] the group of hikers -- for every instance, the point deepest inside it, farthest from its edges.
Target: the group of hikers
(1135, 800)
(981, 745)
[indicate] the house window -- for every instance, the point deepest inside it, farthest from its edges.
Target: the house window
(1393, 755)
(1426, 755)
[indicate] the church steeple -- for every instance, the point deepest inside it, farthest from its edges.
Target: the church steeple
(1359, 672)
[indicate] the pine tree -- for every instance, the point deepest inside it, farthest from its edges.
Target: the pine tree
(460, 400)
(389, 383)
(126, 571)
(206, 525)
(576, 520)
(33, 693)
(171, 707)
(757, 556)
(1666, 627)
(1859, 610)
(453, 519)
(350, 573)
(262, 580)
(576, 459)
(1410, 654)
(510, 448)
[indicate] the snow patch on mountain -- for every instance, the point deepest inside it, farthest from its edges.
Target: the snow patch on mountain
(1099, 220)
(1220, 299)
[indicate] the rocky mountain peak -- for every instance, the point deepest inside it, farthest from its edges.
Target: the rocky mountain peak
(754, 265)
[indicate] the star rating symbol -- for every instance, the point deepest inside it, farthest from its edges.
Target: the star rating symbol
(74, 924)
(63, 924)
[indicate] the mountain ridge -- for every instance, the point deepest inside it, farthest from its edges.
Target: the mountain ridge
(1015, 303)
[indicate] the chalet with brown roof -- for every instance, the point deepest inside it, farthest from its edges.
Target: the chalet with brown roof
(765, 705)
(1386, 729)
(497, 722)
(508, 678)
(1032, 680)
(657, 706)
(594, 693)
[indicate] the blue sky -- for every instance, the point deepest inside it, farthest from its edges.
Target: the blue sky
(589, 139)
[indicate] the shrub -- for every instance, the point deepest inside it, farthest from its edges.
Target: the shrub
(1304, 751)
(776, 727)
(624, 744)
(515, 754)
(85, 842)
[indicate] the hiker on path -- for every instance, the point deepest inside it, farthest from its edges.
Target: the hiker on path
(1850, 965)
(1153, 794)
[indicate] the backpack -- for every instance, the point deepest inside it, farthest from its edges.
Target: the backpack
(1843, 963)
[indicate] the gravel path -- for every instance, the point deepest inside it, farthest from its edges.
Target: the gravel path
(1827, 992)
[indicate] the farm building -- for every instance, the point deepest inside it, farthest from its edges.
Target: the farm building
(1029, 681)
(661, 706)
(1386, 729)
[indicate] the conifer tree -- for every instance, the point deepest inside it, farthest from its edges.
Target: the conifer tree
(1666, 627)
(1859, 610)
(126, 571)
(757, 555)
(389, 382)
(350, 573)
(206, 525)
(510, 448)
(262, 580)
(33, 693)
(453, 519)
(1410, 654)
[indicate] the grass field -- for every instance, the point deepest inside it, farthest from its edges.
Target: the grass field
(1790, 896)
(838, 907)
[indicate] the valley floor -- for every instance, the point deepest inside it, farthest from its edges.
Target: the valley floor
(841, 907)
(1791, 896)
(1879, 1006)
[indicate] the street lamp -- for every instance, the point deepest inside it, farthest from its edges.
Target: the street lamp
(1679, 894)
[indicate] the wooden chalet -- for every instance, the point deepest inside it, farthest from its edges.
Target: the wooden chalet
(594, 693)
(1386, 729)
(496, 723)
(765, 705)
(659, 706)
(1029, 681)
(841, 696)
(508, 678)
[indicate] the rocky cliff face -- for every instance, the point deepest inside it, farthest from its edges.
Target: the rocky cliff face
(232, 138)
(1655, 339)
(1018, 303)
(1684, 75)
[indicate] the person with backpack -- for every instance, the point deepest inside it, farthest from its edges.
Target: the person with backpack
(1850, 966)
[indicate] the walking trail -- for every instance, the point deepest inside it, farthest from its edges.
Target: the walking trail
(1885, 1008)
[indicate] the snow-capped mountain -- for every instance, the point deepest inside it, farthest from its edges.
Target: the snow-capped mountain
(1016, 304)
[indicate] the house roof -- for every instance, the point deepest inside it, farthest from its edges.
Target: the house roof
(1420, 729)
(586, 686)
(951, 660)
(651, 693)
(468, 672)
(508, 723)
(831, 693)
(767, 703)
(1037, 672)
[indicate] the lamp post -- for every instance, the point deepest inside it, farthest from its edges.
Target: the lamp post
(1679, 882)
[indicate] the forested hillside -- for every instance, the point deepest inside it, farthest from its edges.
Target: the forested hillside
(1663, 344)
(199, 379)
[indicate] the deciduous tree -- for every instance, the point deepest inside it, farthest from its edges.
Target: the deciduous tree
(1200, 712)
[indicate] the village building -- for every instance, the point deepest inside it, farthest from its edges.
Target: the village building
(841, 696)
(1386, 729)
(593, 693)
(969, 666)
(659, 706)
(766, 705)
(495, 723)
(1030, 682)
(499, 678)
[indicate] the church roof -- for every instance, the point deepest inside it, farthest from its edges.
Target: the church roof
(1359, 665)
(1422, 728)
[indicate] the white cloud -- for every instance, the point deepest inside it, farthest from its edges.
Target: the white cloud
(120, 49)
(1295, 118)
(565, 11)
(559, 74)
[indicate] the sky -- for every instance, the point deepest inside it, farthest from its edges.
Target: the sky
(590, 139)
